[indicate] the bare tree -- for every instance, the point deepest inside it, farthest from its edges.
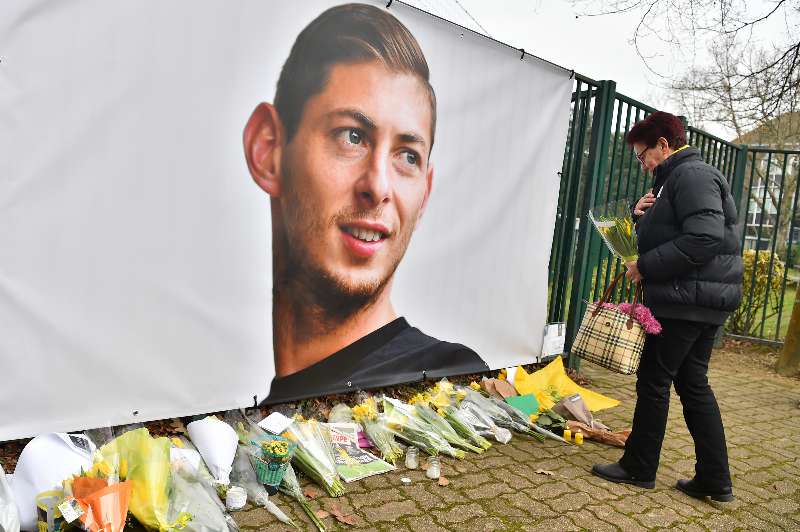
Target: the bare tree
(738, 84)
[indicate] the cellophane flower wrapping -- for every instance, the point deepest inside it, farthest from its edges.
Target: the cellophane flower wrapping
(444, 398)
(483, 423)
(144, 461)
(201, 477)
(314, 454)
(9, 515)
(103, 499)
(614, 223)
(291, 486)
(498, 413)
(402, 420)
(463, 427)
(366, 414)
(192, 508)
(424, 410)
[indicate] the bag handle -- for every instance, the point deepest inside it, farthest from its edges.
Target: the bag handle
(637, 296)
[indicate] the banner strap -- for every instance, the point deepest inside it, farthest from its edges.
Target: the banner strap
(523, 54)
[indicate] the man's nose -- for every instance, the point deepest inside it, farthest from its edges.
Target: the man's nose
(374, 186)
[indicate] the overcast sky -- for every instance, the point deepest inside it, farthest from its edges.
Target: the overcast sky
(597, 47)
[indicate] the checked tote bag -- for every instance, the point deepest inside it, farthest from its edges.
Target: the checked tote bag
(609, 337)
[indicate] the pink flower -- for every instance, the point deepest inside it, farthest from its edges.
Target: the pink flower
(641, 314)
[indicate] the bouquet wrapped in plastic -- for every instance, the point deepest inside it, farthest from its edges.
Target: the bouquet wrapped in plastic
(187, 463)
(9, 516)
(291, 487)
(483, 423)
(427, 413)
(314, 455)
(463, 427)
(402, 420)
(366, 414)
(144, 461)
(192, 508)
(518, 416)
(445, 398)
(244, 475)
(498, 413)
(101, 498)
(614, 223)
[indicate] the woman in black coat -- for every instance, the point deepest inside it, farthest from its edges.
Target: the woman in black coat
(690, 267)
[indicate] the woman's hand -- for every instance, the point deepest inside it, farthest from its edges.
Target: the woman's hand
(633, 272)
(644, 203)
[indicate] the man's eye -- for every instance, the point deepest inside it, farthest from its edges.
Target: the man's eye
(353, 136)
(411, 158)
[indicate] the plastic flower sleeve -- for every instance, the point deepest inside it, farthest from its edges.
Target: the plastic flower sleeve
(144, 461)
(404, 423)
(44, 463)
(314, 456)
(427, 413)
(483, 423)
(9, 516)
(291, 487)
(615, 225)
(216, 441)
(191, 507)
(201, 475)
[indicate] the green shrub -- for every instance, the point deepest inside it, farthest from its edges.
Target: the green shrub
(758, 292)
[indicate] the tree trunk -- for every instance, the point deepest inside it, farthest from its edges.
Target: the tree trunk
(789, 360)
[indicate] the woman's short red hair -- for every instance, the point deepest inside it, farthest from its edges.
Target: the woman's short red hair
(656, 125)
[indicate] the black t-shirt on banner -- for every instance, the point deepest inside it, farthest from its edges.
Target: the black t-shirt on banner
(397, 353)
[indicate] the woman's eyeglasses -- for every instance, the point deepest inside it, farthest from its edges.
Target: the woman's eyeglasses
(640, 156)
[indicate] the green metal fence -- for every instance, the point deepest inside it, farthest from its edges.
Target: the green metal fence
(770, 243)
(599, 167)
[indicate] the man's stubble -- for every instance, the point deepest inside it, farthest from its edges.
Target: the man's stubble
(320, 299)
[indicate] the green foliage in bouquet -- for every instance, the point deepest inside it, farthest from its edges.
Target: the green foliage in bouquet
(615, 225)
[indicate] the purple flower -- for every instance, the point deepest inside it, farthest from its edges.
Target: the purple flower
(641, 314)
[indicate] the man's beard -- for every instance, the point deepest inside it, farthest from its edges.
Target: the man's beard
(330, 299)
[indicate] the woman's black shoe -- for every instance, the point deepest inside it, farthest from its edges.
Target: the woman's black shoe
(615, 473)
(692, 489)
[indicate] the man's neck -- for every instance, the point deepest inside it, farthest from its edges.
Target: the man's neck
(303, 336)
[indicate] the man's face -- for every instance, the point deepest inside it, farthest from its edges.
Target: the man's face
(355, 178)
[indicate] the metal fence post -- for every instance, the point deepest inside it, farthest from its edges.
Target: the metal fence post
(737, 186)
(598, 151)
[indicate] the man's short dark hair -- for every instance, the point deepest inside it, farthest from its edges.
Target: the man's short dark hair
(349, 33)
(655, 125)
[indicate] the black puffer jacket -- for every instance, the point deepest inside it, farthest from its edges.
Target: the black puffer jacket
(689, 243)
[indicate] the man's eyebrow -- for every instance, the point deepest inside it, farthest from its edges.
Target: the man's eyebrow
(412, 138)
(368, 124)
(365, 121)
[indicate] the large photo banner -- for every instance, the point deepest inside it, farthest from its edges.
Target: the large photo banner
(206, 206)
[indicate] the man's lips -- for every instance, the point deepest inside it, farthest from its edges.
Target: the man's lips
(363, 239)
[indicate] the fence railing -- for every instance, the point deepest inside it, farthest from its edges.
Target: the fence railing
(599, 167)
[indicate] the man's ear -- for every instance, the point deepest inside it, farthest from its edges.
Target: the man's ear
(428, 186)
(263, 143)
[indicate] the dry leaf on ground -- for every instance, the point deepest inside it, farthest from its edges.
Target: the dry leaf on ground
(347, 519)
(443, 481)
(311, 492)
(322, 514)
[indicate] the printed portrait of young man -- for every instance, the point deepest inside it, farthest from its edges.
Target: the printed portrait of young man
(343, 153)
